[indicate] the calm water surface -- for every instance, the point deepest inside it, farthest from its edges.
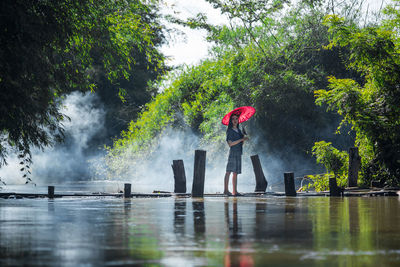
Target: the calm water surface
(274, 231)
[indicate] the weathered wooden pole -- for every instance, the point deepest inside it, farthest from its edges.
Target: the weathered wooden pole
(354, 166)
(179, 176)
(261, 182)
(289, 184)
(127, 190)
(199, 172)
(50, 191)
(334, 190)
(375, 183)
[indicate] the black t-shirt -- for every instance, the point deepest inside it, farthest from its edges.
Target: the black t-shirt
(232, 135)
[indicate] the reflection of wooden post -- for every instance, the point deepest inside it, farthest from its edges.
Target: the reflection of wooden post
(50, 191)
(289, 184)
(179, 176)
(354, 166)
(261, 182)
(199, 219)
(333, 188)
(179, 216)
(199, 173)
(354, 211)
(127, 190)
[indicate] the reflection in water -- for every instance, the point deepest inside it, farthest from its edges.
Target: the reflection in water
(360, 230)
(313, 231)
(354, 219)
(236, 250)
(199, 219)
(179, 216)
(261, 220)
(296, 224)
(50, 205)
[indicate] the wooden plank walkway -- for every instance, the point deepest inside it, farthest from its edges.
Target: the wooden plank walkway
(198, 185)
(349, 192)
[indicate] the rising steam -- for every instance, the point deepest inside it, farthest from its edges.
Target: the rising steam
(67, 161)
(77, 160)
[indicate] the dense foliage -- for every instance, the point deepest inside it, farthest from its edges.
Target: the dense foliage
(134, 92)
(292, 62)
(51, 47)
(372, 108)
(257, 62)
(336, 162)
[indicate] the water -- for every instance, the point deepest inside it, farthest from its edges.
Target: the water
(244, 231)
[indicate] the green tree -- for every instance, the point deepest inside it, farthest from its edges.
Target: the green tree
(51, 47)
(372, 107)
(275, 65)
(122, 106)
(335, 162)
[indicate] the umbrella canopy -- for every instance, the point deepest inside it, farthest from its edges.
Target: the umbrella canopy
(244, 114)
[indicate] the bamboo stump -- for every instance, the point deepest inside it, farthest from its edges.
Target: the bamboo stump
(354, 166)
(334, 190)
(50, 191)
(375, 183)
(179, 176)
(127, 190)
(199, 172)
(289, 184)
(261, 182)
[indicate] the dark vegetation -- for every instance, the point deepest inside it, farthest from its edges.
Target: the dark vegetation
(306, 68)
(51, 48)
(278, 58)
(256, 62)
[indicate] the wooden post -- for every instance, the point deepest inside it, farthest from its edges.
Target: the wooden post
(261, 182)
(375, 183)
(289, 184)
(179, 176)
(354, 166)
(199, 172)
(334, 191)
(50, 191)
(127, 190)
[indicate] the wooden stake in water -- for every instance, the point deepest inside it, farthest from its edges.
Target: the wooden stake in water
(289, 184)
(50, 191)
(375, 183)
(261, 182)
(199, 173)
(179, 176)
(127, 190)
(354, 166)
(334, 190)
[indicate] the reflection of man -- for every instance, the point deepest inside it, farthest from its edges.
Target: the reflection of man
(235, 249)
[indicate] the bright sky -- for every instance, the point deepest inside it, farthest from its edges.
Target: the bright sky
(191, 49)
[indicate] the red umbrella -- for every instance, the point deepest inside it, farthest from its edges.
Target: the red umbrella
(244, 114)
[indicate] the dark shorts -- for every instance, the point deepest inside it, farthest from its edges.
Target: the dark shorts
(234, 163)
